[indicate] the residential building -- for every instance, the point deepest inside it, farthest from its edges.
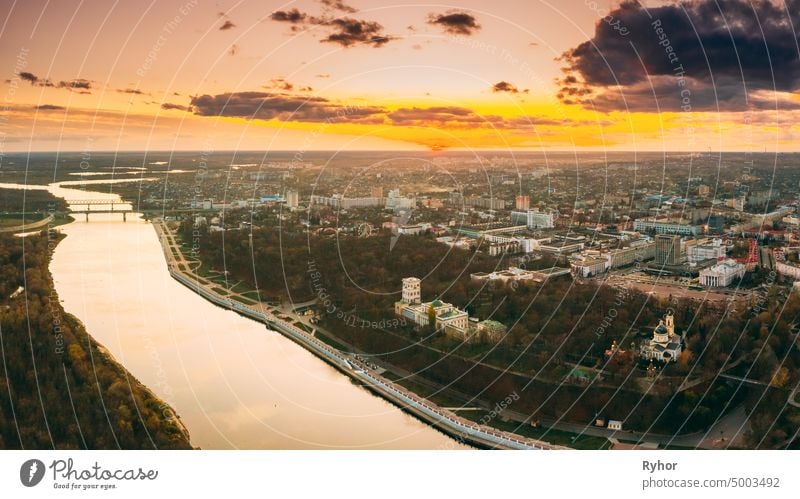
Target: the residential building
(588, 267)
(788, 269)
(395, 202)
(522, 203)
(490, 203)
(292, 199)
(533, 219)
(664, 226)
(343, 203)
(622, 257)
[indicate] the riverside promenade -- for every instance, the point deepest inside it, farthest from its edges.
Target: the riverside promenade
(461, 429)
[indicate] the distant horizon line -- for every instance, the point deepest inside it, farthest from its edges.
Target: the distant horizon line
(404, 151)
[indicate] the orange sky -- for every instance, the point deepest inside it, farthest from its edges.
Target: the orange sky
(115, 75)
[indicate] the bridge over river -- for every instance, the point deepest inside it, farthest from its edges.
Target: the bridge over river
(93, 206)
(87, 206)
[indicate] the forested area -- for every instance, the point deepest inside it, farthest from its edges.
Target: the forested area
(59, 389)
(19, 200)
(552, 327)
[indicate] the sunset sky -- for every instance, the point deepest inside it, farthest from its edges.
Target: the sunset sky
(382, 74)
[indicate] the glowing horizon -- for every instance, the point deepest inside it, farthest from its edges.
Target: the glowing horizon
(321, 75)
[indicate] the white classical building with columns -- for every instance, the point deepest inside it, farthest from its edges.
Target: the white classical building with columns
(722, 274)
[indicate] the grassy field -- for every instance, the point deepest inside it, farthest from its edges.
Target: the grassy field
(12, 222)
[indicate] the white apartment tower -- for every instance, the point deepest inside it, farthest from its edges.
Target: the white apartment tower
(292, 199)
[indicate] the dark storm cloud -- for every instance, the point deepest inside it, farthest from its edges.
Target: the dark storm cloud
(700, 53)
(50, 107)
(338, 5)
(268, 106)
(504, 86)
(289, 16)
(661, 94)
(455, 22)
(227, 25)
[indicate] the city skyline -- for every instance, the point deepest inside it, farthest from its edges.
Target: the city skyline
(331, 75)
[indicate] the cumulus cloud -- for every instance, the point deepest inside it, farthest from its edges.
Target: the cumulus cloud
(285, 85)
(80, 85)
(29, 77)
(696, 55)
(504, 86)
(293, 16)
(344, 31)
(348, 32)
(455, 22)
(338, 5)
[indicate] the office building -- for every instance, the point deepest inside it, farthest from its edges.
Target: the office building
(533, 219)
(707, 250)
(668, 250)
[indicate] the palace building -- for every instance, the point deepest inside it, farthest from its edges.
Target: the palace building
(449, 318)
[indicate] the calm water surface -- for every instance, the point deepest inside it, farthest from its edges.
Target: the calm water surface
(234, 383)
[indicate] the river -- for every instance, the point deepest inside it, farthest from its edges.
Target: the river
(234, 383)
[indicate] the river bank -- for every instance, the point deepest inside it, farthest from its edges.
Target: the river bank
(461, 429)
(234, 384)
